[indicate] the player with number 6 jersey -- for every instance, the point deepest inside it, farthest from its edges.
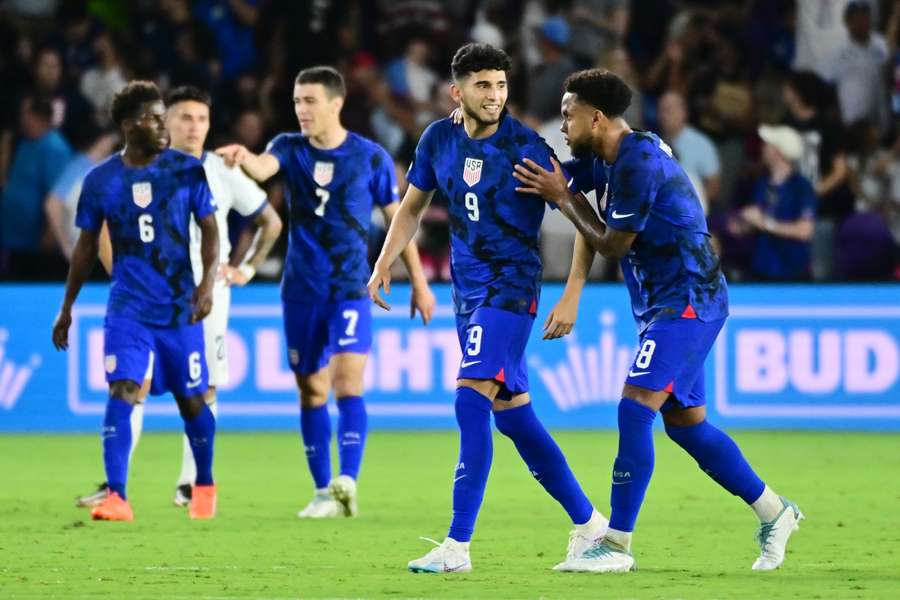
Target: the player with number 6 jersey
(496, 271)
(333, 179)
(147, 195)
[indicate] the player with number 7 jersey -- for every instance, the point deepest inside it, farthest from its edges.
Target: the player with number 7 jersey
(333, 179)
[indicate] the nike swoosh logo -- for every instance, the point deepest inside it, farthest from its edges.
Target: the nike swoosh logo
(192, 384)
(616, 215)
(458, 478)
(620, 482)
(469, 363)
(637, 374)
(569, 184)
(346, 341)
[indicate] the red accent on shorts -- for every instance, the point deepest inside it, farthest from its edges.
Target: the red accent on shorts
(500, 376)
(689, 313)
(668, 388)
(533, 308)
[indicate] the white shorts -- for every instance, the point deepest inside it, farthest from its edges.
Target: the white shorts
(214, 327)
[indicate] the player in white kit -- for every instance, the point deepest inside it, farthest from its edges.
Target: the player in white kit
(188, 122)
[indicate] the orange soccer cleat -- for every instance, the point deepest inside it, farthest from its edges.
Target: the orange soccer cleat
(113, 508)
(203, 502)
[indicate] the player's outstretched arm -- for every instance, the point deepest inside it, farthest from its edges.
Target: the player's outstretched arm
(552, 186)
(258, 166)
(400, 234)
(209, 254)
(83, 258)
(422, 298)
(562, 317)
(268, 225)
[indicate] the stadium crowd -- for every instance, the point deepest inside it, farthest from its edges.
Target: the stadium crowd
(785, 115)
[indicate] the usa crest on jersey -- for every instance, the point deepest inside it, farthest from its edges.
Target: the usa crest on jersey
(142, 193)
(323, 173)
(472, 171)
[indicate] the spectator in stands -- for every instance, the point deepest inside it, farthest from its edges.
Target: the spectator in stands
(93, 145)
(782, 210)
(410, 76)
(819, 30)
(38, 160)
(824, 162)
(856, 68)
(100, 83)
(597, 27)
(693, 149)
(546, 81)
(232, 22)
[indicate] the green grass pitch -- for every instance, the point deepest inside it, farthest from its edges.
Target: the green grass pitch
(693, 540)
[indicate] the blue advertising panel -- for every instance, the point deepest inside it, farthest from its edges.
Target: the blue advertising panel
(789, 357)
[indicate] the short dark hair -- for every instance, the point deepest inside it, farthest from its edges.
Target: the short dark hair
(329, 77)
(812, 90)
(472, 58)
(188, 93)
(857, 6)
(601, 89)
(39, 106)
(128, 101)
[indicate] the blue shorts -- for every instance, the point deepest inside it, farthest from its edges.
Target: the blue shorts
(493, 347)
(314, 332)
(671, 357)
(173, 356)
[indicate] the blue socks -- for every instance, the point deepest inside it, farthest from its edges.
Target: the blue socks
(545, 460)
(476, 450)
(718, 455)
(351, 434)
(634, 464)
(117, 443)
(315, 427)
(201, 433)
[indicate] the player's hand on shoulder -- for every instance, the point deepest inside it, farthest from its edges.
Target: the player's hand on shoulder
(381, 278)
(535, 179)
(562, 318)
(234, 154)
(61, 330)
(424, 301)
(202, 302)
(456, 116)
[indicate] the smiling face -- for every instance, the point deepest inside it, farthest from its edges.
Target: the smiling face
(579, 123)
(481, 95)
(317, 111)
(188, 125)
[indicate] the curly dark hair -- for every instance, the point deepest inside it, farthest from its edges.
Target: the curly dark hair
(128, 101)
(479, 57)
(188, 93)
(601, 89)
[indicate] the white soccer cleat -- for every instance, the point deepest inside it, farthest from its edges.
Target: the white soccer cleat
(601, 557)
(343, 490)
(449, 557)
(772, 537)
(322, 506)
(580, 542)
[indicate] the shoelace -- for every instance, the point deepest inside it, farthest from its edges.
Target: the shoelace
(600, 550)
(435, 542)
(764, 535)
(573, 540)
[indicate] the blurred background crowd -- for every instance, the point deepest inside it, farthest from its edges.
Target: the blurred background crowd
(785, 114)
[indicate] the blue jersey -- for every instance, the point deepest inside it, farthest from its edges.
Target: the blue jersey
(148, 212)
(330, 196)
(671, 269)
(494, 231)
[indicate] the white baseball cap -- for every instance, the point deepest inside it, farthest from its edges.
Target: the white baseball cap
(785, 139)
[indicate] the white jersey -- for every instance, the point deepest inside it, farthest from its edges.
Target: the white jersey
(231, 189)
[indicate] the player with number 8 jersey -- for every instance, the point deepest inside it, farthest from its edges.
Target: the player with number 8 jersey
(333, 179)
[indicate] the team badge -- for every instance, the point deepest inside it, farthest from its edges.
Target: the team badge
(472, 171)
(109, 362)
(323, 173)
(142, 193)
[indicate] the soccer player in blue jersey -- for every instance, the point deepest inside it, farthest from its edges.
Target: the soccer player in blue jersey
(147, 194)
(333, 179)
(654, 223)
(496, 272)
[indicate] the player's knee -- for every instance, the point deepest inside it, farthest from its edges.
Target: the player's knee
(209, 396)
(313, 390)
(687, 417)
(191, 406)
(347, 385)
(126, 390)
